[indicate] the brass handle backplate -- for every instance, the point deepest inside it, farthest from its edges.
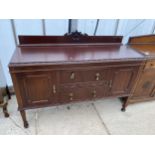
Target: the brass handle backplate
(72, 76)
(97, 76)
(110, 83)
(54, 89)
(71, 96)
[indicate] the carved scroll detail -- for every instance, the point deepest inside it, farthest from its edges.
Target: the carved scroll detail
(76, 35)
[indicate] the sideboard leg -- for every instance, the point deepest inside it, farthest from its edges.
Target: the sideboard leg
(8, 92)
(123, 109)
(124, 105)
(5, 111)
(23, 114)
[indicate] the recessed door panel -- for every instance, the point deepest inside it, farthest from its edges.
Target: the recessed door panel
(38, 88)
(122, 80)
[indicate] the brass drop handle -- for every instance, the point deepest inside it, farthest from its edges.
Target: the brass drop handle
(110, 83)
(72, 76)
(94, 93)
(97, 76)
(54, 89)
(71, 96)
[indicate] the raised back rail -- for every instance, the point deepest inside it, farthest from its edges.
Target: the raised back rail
(74, 38)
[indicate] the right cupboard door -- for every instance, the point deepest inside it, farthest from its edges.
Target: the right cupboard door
(123, 80)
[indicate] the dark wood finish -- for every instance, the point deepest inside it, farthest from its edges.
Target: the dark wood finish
(74, 37)
(47, 75)
(123, 80)
(72, 54)
(39, 88)
(145, 86)
(8, 92)
(23, 114)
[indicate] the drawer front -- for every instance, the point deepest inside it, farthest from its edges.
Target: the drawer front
(83, 75)
(150, 64)
(73, 93)
(100, 89)
(96, 75)
(71, 76)
(85, 91)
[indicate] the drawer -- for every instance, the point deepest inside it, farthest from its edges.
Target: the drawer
(99, 90)
(73, 93)
(96, 75)
(83, 75)
(71, 76)
(85, 91)
(150, 64)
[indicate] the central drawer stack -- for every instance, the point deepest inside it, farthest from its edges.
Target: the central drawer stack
(84, 84)
(89, 83)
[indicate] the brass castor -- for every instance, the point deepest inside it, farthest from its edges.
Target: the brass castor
(26, 125)
(123, 109)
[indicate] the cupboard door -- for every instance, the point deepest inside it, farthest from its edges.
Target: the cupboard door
(146, 85)
(38, 88)
(123, 79)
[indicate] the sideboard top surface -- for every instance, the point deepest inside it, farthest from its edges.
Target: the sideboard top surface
(63, 54)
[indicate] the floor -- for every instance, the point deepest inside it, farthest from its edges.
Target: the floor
(102, 117)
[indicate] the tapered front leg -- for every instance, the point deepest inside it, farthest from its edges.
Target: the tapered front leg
(23, 114)
(124, 105)
(8, 92)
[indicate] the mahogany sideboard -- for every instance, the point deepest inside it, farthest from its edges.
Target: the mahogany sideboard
(145, 87)
(55, 70)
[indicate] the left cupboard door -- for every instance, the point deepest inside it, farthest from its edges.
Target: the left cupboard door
(38, 89)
